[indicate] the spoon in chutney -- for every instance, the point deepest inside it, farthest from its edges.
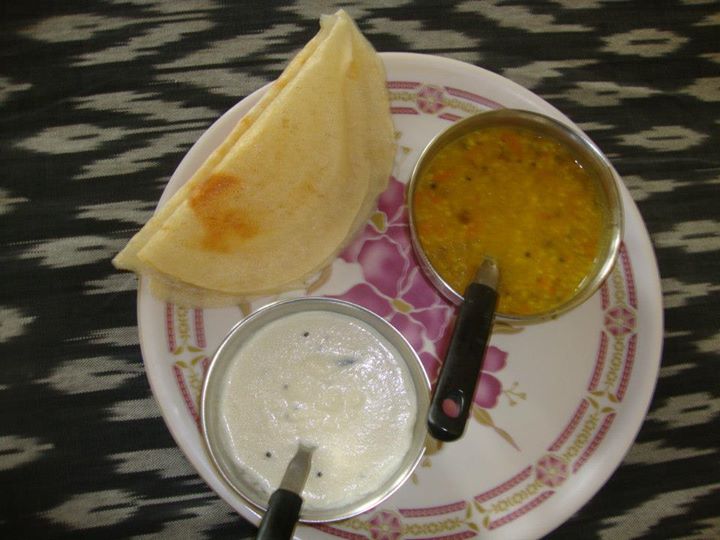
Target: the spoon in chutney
(283, 510)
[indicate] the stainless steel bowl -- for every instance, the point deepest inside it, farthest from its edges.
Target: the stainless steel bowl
(222, 360)
(586, 153)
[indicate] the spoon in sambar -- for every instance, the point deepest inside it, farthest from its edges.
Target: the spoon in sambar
(458, 377)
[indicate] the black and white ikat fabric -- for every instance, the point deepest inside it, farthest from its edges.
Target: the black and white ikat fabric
(99, 101)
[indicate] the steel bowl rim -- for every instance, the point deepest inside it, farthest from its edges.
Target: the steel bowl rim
(531, 120)
(407, 353)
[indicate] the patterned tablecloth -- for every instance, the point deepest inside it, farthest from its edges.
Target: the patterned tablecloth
(101, 99)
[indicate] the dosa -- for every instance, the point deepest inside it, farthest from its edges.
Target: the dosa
(289, 187)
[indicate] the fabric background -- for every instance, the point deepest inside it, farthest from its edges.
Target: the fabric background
(100, 100)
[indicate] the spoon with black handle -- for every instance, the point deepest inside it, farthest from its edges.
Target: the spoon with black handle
(283, 510)
(458, 377)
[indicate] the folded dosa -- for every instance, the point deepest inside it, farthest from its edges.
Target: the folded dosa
(286, 190)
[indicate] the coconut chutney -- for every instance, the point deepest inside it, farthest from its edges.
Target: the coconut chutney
(330, 381)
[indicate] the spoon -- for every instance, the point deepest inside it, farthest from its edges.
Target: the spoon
(283, 510)
(458, 377)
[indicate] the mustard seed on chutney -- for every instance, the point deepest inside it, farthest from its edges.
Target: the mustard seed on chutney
(519, 197)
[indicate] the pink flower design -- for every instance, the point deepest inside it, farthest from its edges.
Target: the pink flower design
(551, 470)
(489, 387)
(385, 526)
(395, 287)
(430, 99)
(620, 321)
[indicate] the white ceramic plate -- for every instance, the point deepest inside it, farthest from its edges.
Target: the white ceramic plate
(559, 403)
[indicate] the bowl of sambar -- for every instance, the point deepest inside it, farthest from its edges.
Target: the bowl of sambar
(533, 194)
(513, 215)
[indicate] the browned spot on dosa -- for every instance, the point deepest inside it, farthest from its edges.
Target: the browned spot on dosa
(225, 226)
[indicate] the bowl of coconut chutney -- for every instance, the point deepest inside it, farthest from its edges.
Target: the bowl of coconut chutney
(322, 372)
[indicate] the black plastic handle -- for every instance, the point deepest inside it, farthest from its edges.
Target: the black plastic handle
(458, 378)
(282, 515)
